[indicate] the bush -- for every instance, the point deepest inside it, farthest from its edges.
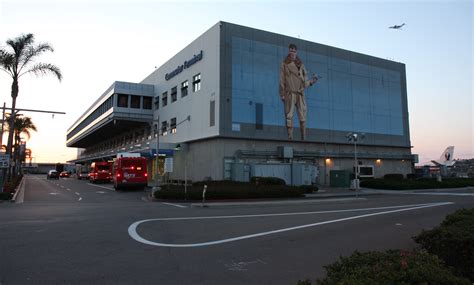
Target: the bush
(417, 184)
(393, 176)
(411, 176)
(390, 267)
(309, 188)
(453, 241)
(257, 180)
(5, 196)
(236, 190)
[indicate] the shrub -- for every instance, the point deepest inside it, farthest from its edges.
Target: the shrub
(309, 188)
(411, 176)
(393, 176)
(417, 184)
(257, 180)
(390, 267)
(238, 190)
(5, 196)
(453, 241)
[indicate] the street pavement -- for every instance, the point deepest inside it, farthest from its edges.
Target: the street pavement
(72, 232)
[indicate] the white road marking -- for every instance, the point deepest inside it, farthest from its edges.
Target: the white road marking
(78, 194)
(61, 186)
(398, 224)
(80, 198)
(175, 205)
(132, 229)
(68, 189)
(100, 192)
(443, 194)
(53, 193)
(100, 186)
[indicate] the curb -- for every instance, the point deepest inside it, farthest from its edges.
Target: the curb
(19, 195)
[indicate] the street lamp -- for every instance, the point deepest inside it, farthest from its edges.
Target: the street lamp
(354, 137)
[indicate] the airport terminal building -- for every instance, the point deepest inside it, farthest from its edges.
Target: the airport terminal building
(215, 111)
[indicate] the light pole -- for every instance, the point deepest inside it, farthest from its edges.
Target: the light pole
(355, 137)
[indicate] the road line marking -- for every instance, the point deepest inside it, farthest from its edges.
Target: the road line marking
(443, 194)
(290, 214)
(100, 192)
(132, 229)
(68, 189)
(80, 198)
(175, 205)
(100, 186)
(78, 194)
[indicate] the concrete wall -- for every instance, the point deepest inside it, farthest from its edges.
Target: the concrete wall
(205, 159)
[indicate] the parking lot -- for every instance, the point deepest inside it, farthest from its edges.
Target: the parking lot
(86, 233)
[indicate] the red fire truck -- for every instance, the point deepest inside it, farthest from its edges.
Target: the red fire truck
(101, 171)
(129, 171)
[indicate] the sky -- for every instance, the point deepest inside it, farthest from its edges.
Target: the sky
(102, 41)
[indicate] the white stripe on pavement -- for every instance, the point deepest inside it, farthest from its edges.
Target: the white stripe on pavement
(100, 186)
(175, 205)
(132, 230)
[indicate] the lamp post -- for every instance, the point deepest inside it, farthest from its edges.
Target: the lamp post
(354, 137)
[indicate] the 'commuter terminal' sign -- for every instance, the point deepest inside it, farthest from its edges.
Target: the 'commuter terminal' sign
(186, 64)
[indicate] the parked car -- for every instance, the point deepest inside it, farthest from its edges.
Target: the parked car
(64, 174)
(52, 174)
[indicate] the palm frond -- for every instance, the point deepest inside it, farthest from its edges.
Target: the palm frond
(34, 51)
(6, 61)
(43, 69)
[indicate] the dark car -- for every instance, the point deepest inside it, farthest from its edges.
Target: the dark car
(52, 174)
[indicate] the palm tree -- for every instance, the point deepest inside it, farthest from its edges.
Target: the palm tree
(20, 60)
(22, 125)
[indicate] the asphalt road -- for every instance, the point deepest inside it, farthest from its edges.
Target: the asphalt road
(72, 232)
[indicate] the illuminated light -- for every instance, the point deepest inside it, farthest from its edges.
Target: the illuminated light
(118, 174)
(146, 174)
(133, 167)
(328, 160)
(378, 161)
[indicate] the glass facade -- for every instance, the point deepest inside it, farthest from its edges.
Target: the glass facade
(349, 96)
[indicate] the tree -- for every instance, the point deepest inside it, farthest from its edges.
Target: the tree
(19, 60)
(22, 125)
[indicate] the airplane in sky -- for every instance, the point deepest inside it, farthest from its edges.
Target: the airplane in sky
(446, 158)
(397, 27)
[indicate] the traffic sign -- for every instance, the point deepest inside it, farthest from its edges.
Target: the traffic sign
(4, 160)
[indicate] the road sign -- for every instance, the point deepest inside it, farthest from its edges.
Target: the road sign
(4, 160)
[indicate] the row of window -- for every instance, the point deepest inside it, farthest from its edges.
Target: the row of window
(104, 107)
(135, 101)
(174, 92)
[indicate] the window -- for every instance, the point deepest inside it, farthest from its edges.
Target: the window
(184, 88)
(122, 100)
(212, 114)
(173, 125)
(164, 99)
(164, 128)
(135, 102)
(174, 94)
(197, 82)
(157, 102)
(147, 103)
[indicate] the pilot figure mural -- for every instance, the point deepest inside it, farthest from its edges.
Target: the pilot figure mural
(293, 82)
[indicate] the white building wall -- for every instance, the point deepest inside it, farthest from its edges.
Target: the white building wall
(195, 104)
